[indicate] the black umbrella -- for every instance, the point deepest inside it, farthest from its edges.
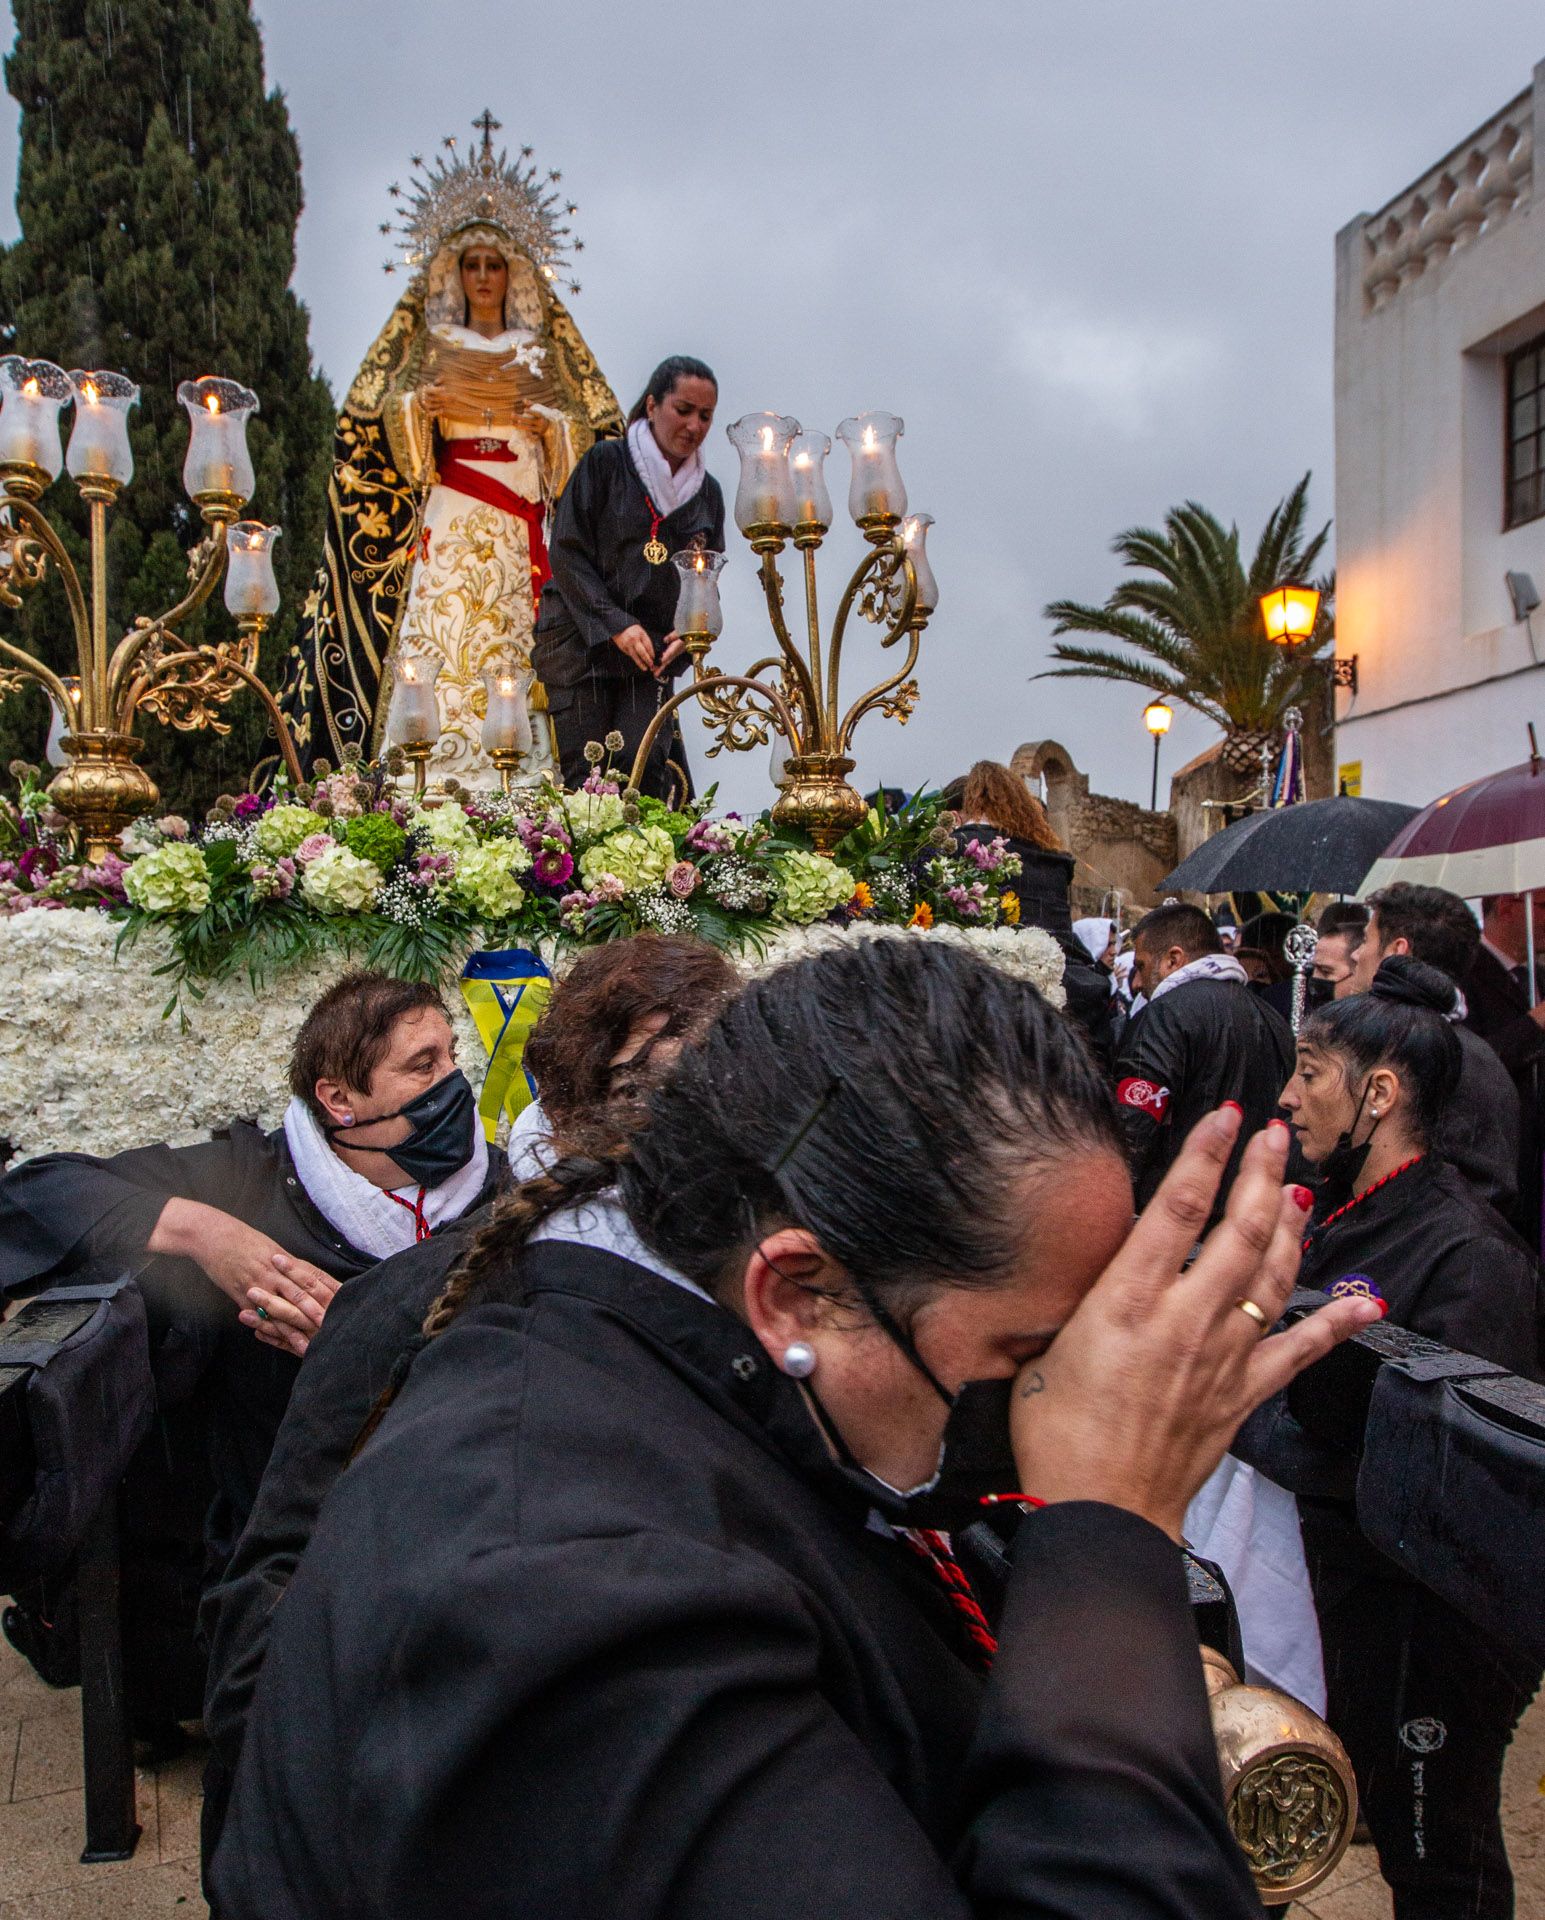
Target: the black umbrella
(1318, 846)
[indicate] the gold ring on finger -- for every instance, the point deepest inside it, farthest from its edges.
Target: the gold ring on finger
(1257, 1314)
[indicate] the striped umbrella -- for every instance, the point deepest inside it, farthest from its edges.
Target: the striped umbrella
(1487, 837)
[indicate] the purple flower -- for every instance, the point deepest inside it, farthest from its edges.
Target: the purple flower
(682, 879)
(251, 803)
(106, 877)
(553, 864)
(594, 783)
(10, 873)
(38, 863)
(313, 847)
(276, 882)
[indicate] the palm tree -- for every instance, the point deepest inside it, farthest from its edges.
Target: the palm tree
(1192, 620)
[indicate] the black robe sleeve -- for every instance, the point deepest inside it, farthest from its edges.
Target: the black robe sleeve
(1151, 1063)
(639, 1726)
(576, 539)
(370, 1324)
(65, 1210)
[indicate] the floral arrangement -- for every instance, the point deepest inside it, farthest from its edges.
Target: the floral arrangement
(347, 864)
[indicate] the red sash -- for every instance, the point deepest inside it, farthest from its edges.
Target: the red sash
(477, 485)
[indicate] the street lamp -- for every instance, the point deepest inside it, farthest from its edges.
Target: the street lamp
(1290, 615)
(1157, 716)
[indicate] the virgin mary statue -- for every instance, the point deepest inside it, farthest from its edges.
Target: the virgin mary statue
(457, 436)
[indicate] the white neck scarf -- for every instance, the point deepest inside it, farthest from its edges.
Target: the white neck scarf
(1209, 966)
(360, 1210)
(667, 490)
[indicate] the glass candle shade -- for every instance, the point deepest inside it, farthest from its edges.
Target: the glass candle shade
(697, 605)
(218, 460)
(414, 720)
(778, 765)
(61, 722)
(876, 483)
(807, 463)
(506, 723)
(765, 496)
(250, 586)
(31, 394)
(99, 443)
(914, 534)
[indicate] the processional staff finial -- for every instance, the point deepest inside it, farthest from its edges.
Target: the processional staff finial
(488, 126)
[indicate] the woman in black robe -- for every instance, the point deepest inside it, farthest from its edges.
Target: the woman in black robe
(604, 643)
(1374, 1076)
(620, 1612)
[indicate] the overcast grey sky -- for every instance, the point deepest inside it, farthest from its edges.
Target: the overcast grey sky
(1084, 248)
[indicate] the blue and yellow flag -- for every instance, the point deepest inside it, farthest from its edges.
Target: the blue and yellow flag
(505, 992)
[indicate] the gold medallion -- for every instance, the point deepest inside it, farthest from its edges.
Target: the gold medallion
(655, 553)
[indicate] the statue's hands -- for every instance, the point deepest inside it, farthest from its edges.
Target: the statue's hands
(637, 646)
(434, 400)
(1140, 1394)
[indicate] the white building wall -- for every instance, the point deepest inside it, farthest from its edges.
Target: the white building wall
(1431, 294)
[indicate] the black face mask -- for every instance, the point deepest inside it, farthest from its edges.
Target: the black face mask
(441, 1141)
(1318, 993)
(976, 1456)
(1342, 1167)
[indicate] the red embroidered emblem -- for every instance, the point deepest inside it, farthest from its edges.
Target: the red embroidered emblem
(1144, 1095)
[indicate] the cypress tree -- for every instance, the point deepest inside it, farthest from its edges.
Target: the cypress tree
(158, 191)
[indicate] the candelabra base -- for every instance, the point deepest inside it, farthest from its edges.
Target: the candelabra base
(817, 798)
(103, 788)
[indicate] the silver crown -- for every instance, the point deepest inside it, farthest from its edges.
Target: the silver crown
(492, 190)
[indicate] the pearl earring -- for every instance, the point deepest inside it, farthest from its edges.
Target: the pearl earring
(798, 1360)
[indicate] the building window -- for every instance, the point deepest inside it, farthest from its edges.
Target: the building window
(1526, 433)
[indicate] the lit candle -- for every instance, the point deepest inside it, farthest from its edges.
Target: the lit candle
(218, 461)
(506, 725)
(414, 720)
(807, 460)
(914, 534)
(875, 487)
(698, 613)
(765, 496)
(31, 394)
(61, 722)
(99, 445)
(250, 586)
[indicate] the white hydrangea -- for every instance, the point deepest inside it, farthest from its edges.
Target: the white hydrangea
(340, 882)
(592, 815)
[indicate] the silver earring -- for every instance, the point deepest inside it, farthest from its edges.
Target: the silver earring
(798, 1360)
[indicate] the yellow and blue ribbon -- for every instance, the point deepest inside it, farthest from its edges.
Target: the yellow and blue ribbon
(506, 992)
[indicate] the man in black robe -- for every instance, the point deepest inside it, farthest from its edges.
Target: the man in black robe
(1512, 1023)
(1204, 1038)
(238, 1243)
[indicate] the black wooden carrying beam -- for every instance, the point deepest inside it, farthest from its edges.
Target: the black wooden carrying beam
(1449, 1459)
(112, 1830)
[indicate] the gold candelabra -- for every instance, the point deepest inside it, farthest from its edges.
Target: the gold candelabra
(149, 670)
(796, 692)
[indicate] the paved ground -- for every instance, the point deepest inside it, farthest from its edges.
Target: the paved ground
(41, 1877)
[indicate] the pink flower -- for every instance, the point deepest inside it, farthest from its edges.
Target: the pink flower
(251, 803)
(682, 879)
(313, 847)
(968, 901)
(990, 857)
(594, 783)
(431, 868)
(105, 877)
(172, 826)
(553, 864)
(609, 890)
(276, 882)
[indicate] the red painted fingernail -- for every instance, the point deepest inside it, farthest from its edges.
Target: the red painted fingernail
(1303, 1199)
(1276, 1123)
(1383, 1306)
(1236, 1106)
